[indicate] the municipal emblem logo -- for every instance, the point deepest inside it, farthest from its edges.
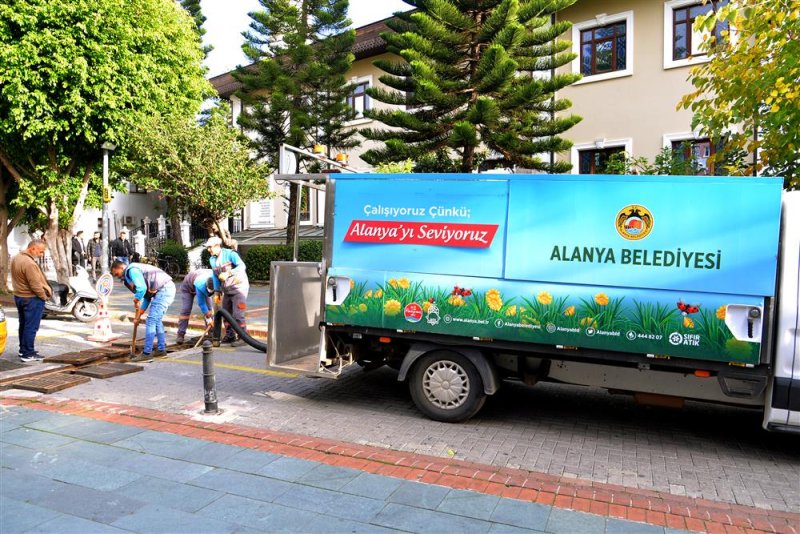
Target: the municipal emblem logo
(634, 222)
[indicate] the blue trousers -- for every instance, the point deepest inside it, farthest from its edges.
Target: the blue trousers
(154, 326)
(30, 311)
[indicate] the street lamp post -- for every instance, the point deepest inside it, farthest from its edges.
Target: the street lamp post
(107, 147)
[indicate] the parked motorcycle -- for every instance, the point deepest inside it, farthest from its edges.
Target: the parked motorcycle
(78, 298)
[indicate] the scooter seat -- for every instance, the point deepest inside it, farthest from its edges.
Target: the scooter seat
(59, 293)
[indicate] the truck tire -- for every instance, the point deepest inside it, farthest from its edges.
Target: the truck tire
(446, 387)
(85, 311)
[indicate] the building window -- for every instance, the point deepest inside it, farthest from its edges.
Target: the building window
(682, 41)
(698, 152)
(133, 188)
(604, 47)
(358, 99)
(593, 161)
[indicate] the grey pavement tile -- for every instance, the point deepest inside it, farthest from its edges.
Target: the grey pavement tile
(160, 444)
(154, 518)
(209, 453)
(91, 504)
(20, 413)
(619, 526)
(99, 453)
(246, 460)
(91, 430)
(414, 519)
(329, 476)
(55, 422)
(469, 504)
(289, 469)
(521, 514)
(676, 531)
(329, 502)
(24, 486)
(160, 467)
(170, 494)
(419, 495)
(65, 523)
(87, 474)
(334, 525)
(244, 484)
(34, 439)
(13, 456)
(370, 485)
(19, 516)
(569, 522)
(259, 515)
(500, 528)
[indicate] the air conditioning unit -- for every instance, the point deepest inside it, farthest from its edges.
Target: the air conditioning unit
(128, 220)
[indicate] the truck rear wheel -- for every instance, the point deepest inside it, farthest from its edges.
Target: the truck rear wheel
(446, 387)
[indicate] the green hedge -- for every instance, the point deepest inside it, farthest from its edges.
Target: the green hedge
(259, 257)
(171, 249)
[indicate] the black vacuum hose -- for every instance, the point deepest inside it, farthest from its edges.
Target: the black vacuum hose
(224, 314)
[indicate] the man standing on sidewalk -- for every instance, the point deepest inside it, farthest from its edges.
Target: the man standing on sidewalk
(121, 248)
(31, 290)
(95, 252)
(153, 288)
(195, 286)
(230, 277)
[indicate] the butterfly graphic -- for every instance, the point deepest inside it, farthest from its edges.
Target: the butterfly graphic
(686, 309)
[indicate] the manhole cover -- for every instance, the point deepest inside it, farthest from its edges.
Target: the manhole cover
(50, 383)
(107, 370)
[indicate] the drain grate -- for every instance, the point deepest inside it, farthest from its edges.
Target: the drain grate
(107, 370)
(6, 365)
(50, 383)
(78, 358)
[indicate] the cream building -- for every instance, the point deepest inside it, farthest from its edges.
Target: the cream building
(635, 57)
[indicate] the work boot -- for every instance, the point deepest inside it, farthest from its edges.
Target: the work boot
(143, 357)
(229, 338)
(159, 354)
(179, 340)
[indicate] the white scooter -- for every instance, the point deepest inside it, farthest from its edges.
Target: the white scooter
(78, 298)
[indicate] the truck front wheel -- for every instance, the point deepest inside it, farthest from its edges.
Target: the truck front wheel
(446, 387)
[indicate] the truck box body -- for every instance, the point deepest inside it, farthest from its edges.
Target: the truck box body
(668, 266)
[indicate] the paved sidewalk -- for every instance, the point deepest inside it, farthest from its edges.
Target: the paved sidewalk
(83, 466)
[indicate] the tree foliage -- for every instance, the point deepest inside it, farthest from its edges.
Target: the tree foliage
(475, 76)
(295, 91)
(76, 74)
(205, 168)
(751, 85)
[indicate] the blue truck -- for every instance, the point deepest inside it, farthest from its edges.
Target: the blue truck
(667, 287)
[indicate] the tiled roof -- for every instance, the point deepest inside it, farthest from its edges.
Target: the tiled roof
(368, 43)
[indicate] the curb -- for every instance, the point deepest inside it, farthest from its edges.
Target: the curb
(633, 504)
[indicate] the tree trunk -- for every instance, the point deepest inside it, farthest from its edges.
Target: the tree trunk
(222, 231)
(175, 221)
(294, 191)
(59, 243)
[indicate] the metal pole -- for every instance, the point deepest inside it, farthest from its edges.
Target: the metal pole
(104, 229)
(296, 236)
(209, 381)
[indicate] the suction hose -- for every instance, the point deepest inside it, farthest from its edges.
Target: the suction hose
(224, 314)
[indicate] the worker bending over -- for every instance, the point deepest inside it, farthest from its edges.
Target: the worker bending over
(230, 278)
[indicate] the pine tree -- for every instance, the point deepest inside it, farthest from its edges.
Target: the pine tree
(476, 85)
(193, 7)
(295, 91)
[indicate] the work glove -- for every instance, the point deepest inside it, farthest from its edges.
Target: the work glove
(209, 314)
(223, 276)
(217, 299)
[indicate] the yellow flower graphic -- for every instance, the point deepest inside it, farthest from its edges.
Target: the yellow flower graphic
(570, 311)
(368, 294)
(426, 306)
(352, 283)
(544, 298)
(392, 307)
(511, 311)
(378, 293)
(721, 311)
(362, 307)
(392, 282)
(494, 300)
(688, 323)
(589, 321)
(601, 299)
(456, 300)
(403, 283)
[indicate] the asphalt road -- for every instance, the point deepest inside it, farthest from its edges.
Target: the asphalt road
(715, 452)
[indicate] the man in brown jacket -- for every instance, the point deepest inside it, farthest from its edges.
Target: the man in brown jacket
(31, 289)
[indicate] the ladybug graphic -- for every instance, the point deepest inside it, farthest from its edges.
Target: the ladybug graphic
(686, 309)
(460, 291)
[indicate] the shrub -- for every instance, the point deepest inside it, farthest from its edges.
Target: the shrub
(259, 257)
(171, 249)
(205, 261)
